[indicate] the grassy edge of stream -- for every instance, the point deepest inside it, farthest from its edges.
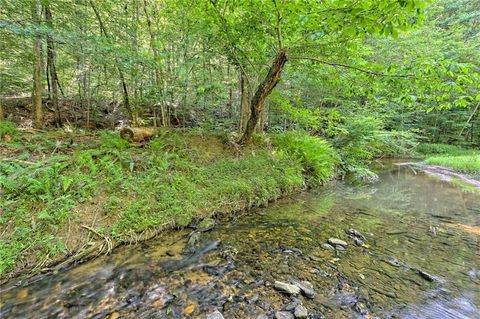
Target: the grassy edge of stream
(67, 198)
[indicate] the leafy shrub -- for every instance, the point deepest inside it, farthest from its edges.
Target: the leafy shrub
(363, 138)
(316, 156)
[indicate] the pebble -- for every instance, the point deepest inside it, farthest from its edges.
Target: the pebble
(301, 312)
(286, 288)
(355, 233)
(358, 242)
(283, 315)
(306, 288)
(426, 276)
(327, 246)
(215, 315)
(337, 242)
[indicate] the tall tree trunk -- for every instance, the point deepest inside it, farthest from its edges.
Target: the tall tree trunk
(37, 69)
(244, 107)
(263, 91)
(126, 100)
(51, 58)
(2, 114)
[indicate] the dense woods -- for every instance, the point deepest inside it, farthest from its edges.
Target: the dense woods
(123, 119)
(408, 66)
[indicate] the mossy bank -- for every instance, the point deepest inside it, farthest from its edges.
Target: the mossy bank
(65, 197)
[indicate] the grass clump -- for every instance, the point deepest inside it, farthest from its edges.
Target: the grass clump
(315, 155)
(469, 164)
(444, 149)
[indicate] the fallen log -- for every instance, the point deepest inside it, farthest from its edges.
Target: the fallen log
(138, 134)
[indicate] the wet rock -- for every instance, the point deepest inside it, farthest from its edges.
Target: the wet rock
(358, 242)
(393, 262)
(286, 288)
(361, 308)
(192, 242)
(327, 246)
(306, 288)
(426, 276)
(206, 224)
(218, 270)
(262, 316)
(301, 312)
(355, 233)
(294, 250)
(291, 306)
(215, 315)
(283, 315)
(337, 242)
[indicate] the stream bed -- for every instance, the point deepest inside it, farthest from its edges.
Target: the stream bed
(413, 251)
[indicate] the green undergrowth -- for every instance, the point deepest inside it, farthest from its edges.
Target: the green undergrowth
(55, 182)
(469, 164)
(451, 156)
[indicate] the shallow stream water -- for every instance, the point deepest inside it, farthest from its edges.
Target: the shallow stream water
(420, 258)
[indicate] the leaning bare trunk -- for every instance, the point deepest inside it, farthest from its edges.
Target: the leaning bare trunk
(263, 91)
(37, 78)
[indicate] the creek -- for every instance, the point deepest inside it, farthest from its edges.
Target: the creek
(413, 251)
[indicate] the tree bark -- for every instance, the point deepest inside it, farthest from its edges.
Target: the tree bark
(263, 91)
(2, 114)
(37, 76)
(244, 107)
(51, 58)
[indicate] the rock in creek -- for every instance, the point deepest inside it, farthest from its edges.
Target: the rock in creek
(215, 315)
(206, 224)
(286, 288)
(358, 242)
(306, 288)
(327, 246)
(283, 315)
(426, 276)
(355, 233)
(337, 242)
(192, 242)
(301, 312)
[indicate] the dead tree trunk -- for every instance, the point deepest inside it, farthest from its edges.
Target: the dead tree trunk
(51, 57)
(138, 134)
(263, 91)
(37, 75)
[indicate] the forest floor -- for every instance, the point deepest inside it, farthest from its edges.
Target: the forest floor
(70, 196)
